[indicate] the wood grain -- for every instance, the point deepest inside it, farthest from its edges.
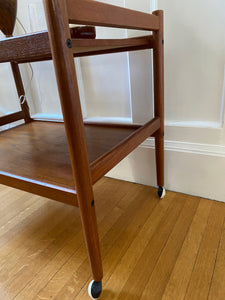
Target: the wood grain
(158, 63)
(63, 161)
(217, 290)
(161, 273)
(41, 162)
(111, 240)
(7, 119)
(138, 279)
(56, 14)
(178, 281)
(128, 262)
(106, 162)
(68, 248)
(202, 273)
(36, 47)
(37, 153)
(108, 214)
(50, 258)
(102, 14)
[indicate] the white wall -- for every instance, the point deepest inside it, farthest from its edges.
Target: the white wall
(119, 86)
(194, 103)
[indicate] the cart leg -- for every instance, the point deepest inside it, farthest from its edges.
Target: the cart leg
(90, 229)
(60, 41)
(158, 59)
(159, 153)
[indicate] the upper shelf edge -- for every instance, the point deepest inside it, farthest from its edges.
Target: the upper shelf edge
(36, 47)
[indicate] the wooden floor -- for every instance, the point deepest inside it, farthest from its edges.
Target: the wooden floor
(151, 249)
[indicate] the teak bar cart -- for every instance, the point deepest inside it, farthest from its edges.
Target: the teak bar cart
(62, 161)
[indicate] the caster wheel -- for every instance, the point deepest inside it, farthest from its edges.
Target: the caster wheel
(95, 289)
(161, 192)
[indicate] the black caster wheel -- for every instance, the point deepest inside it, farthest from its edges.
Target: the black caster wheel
(161, 192)
(95, 289)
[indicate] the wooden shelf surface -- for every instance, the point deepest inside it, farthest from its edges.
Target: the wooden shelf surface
(38, 153)
(34, 157)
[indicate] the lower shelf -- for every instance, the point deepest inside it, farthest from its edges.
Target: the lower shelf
(35, 157)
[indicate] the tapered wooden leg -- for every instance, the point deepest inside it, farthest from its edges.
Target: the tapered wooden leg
(90, 229)
(60, 41)
(159, 153)
(159, 98)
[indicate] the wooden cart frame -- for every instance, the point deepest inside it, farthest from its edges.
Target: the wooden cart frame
(62, 161)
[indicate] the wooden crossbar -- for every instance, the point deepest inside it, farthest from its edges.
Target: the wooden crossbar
(105, 163)
(7, 119)
(36, 47)
(54, 192)
(101, 14)
(25, 48)
(112, 125)
(106, 46)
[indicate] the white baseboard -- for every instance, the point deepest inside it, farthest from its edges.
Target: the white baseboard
(191, 168)
(194, 148)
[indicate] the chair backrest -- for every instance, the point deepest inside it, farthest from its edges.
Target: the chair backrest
(8, 10)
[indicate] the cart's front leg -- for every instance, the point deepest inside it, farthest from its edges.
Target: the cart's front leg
(90, 229)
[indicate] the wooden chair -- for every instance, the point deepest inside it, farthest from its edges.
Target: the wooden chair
(75, 154)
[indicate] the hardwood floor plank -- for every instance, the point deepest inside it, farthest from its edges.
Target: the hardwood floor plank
(114, 281)
(33, 261)
(136, 282)
(125, 239)
(217, 290)
(7, 196)
(75, 249)
(50, 281)
(82, 273)
(178, 281)
(4, 189)
(39, 281)
(201, 276)
(10, 211)
(10, 233)
(161, 273)
(167, 249)
(29, 260)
